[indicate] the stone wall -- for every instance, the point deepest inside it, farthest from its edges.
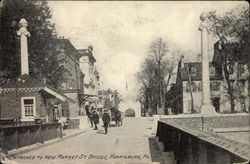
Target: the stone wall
(74, 124)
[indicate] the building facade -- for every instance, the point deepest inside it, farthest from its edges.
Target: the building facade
(188, 87)
(73, 86)
(92, 77)
(238, 76)
(185, 95)
(25, 99)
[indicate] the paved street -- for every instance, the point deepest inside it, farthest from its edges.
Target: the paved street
(129, 143)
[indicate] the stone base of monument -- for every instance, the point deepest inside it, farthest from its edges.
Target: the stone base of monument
(208, 110)
(160, 111)
(83, 122)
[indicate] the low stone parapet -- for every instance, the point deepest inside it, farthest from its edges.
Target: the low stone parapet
(196, 146)
(13, 137)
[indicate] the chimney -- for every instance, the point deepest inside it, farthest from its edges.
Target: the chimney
(23, 33)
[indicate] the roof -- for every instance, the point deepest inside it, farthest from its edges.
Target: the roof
(26, 81)
(195, 71)
(23, 81)
(232, 49)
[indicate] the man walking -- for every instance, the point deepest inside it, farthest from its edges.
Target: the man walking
(89, 114)
(95, 119)
(106, 120)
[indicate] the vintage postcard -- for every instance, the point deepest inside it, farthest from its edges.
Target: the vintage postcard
(124, 82)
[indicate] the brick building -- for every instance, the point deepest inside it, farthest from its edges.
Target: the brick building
(26, 99)
(74, 79)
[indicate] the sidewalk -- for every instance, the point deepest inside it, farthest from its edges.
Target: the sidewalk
(68, 133)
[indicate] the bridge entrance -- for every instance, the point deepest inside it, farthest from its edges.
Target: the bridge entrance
(130, 113)
(130, 109)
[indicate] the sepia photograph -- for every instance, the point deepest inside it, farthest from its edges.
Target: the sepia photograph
(124, 82)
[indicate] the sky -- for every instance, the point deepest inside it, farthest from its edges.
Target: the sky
(121, 32)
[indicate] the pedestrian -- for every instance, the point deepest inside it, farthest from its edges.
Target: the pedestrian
(111, 116)
(95, 119)
(89, 113)
(117, 117)
(106, 120)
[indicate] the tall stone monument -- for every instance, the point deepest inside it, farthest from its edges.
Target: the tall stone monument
(206, 108)
(23, 33)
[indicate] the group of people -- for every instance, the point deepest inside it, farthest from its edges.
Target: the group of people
(106, 115)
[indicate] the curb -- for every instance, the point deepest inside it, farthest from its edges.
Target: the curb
(57, 140)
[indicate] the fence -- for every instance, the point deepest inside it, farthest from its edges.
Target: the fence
(13, 137)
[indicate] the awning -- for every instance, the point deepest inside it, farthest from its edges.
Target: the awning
(58, 95)
(84, 97)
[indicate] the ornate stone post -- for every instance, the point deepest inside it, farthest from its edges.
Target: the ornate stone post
(23, 33)
(206, 107)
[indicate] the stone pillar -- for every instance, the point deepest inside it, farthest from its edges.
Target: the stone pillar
(206, 108)
(202, 153)
(189, 147)
(23, 33)
(222, 157)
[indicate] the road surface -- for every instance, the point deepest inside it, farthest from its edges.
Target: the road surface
(129, 143)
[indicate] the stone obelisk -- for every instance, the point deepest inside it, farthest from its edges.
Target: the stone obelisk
(23, 33)
(206, 108)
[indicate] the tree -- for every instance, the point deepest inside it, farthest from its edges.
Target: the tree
(43, 52)
(147, 78)
(158, 50)
(155, 75)
(232, 30)
(190, 88)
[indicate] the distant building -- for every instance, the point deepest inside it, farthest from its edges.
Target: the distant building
(189, 82)
(109, 98)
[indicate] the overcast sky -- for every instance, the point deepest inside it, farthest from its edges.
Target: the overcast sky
(121, 32)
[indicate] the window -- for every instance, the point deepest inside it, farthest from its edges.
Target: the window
(28, 108)
(65, 109)
(212, 71)
(193, 72)
(199, 86)
(215, 85)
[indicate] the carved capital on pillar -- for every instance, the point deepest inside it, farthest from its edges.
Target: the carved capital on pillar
(23, 24)
(204, 22)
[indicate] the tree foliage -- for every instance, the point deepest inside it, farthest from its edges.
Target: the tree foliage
(43, 59)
